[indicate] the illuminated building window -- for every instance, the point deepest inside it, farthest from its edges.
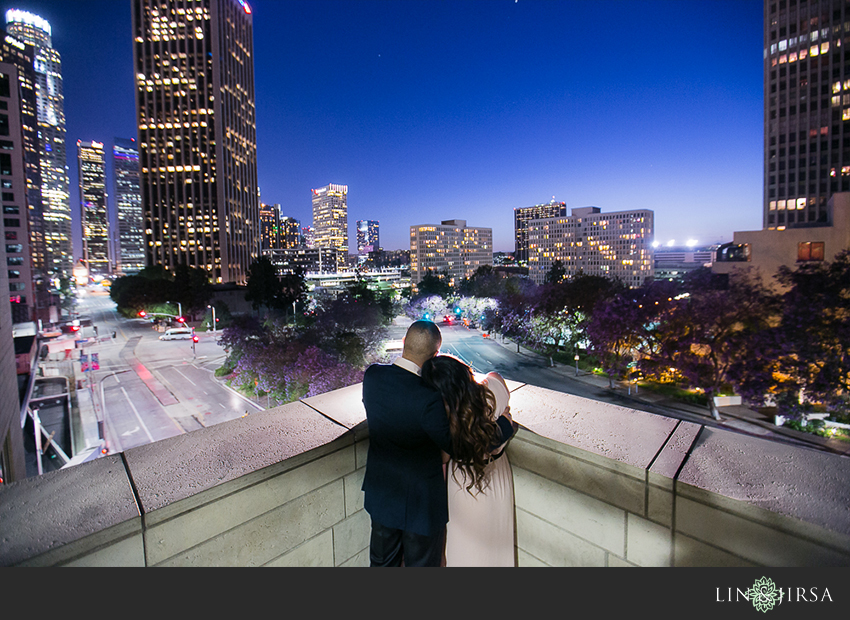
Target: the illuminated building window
(810, 251)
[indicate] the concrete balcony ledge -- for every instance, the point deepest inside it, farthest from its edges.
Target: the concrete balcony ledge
(595, 484)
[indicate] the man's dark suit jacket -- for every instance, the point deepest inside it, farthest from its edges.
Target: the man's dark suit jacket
(408, 427)
(404, 485)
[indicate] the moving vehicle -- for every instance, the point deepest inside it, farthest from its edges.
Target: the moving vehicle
(177, 333)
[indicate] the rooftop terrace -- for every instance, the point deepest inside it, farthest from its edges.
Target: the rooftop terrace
(595, 485)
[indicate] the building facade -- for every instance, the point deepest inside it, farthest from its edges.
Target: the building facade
(523, 215)
(806, 110)
(50, 111)
(269, 226)
(128, 205)
(765, 251)
(304, 259)
(368, 236)
(452, 247)
(94, 215)
(674, 263)
(612, 245)
(290, 232)
(330, 217)
(307, 236)
(194, 68)
(15, 226)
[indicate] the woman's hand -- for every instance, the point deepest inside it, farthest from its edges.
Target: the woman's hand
(507, 413)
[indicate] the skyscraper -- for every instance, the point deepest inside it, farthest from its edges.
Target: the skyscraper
(35, 31)
(128, 204)
(290, 232)
(368, 236)
(523, 215)
(194, 66)
(93, 209)
(330, 217)
(806, 110)
(269, 227)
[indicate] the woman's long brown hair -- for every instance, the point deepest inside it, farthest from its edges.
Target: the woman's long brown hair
(469, 406)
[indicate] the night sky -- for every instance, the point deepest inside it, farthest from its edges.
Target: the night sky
(452, 109)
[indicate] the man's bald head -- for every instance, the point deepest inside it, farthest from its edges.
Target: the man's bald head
(422, 342)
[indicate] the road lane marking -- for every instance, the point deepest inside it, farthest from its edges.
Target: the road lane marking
(138, 417)
(185, 377)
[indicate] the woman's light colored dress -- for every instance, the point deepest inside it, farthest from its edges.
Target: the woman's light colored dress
(480, 531)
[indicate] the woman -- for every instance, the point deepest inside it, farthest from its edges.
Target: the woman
(480, 531)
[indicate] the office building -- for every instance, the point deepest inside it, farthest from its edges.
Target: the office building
(452, 247)
(21, 56)
(290, 232)
(523, 215)
(806, 141)
(304, 259)
(194, 72)
(15, 225)
(128, 205)
(307, 237)
(368, 236)
(94, 215)
(330, 217)
(33, 30)
(806, 110)
(673, 263)
(269, 226)
(612, 245)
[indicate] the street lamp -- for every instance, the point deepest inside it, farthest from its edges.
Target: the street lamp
(211, 307)
(576, 359)
(179, 307)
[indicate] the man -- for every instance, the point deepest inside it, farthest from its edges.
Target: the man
(405, 491)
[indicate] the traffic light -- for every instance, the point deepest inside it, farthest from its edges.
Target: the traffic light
(180, 319)
(142, 313)
(458, 311)
(194, 338)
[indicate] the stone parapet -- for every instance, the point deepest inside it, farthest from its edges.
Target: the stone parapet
(595, 485)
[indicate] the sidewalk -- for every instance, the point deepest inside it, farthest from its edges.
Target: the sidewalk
(733, 416)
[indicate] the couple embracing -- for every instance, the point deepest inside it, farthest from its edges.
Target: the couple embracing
(437, 487)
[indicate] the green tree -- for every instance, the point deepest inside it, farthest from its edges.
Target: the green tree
(433, 284)
(264, 286)
(557, 273)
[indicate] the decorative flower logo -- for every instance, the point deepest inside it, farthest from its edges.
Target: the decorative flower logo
(764, 594)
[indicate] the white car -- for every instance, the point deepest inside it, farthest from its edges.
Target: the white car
(177, 333)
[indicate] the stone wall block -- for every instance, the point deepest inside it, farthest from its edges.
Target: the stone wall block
(585, 517)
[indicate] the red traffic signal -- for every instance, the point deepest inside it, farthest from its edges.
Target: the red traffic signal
(142, 313)
(194, 339)
(180, 319)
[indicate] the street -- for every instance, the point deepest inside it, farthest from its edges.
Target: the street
(148, 389)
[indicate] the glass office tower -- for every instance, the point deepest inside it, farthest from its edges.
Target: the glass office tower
(194, 66)
(50, 103)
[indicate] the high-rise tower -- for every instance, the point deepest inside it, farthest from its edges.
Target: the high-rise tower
(93, 209)
(806, 110)
(128, 204)
(368, 236)
(194, 66)
(330, 217)
(35, 31)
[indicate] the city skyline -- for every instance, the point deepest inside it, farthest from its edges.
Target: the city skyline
(472, 109)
